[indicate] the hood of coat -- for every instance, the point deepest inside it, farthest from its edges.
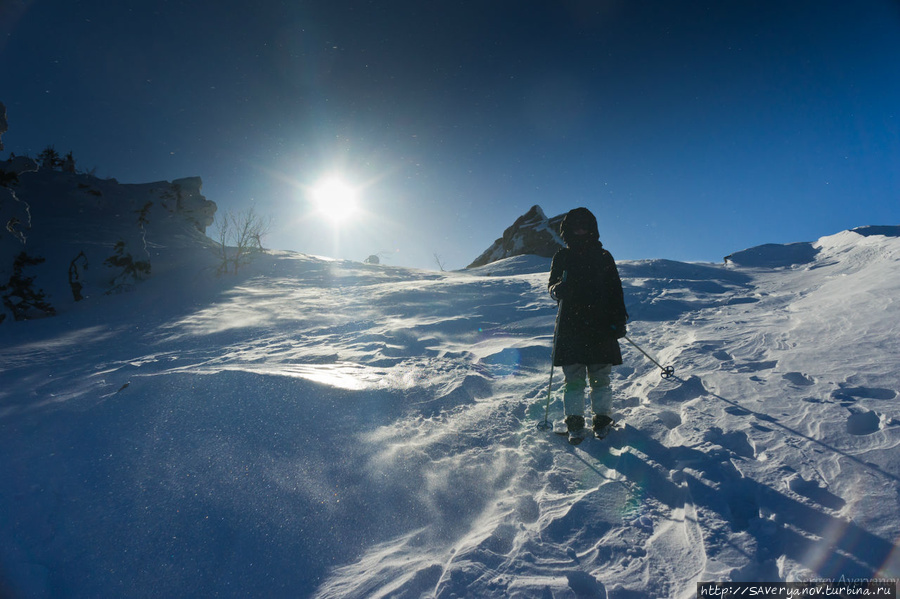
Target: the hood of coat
(579, 228)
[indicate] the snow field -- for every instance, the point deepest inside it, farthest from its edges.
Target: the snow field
(332, 429)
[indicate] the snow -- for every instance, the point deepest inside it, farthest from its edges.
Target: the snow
(319, 428)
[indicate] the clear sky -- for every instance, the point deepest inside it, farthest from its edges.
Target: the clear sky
(692, 129)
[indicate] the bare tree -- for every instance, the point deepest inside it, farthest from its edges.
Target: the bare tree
(239, 237)
(439, 261)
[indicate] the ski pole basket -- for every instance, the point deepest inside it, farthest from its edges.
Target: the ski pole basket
(665, 371)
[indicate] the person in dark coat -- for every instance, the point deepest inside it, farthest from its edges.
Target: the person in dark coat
(585, 280)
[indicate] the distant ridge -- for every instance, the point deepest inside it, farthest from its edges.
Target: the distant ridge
(775, 255)
(886, 230)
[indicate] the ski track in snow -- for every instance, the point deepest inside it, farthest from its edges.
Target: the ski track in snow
(332, 429)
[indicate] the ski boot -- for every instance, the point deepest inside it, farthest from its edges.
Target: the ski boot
(602, 425)
(575, 427)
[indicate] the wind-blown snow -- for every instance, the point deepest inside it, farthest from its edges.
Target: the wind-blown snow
(333, 429)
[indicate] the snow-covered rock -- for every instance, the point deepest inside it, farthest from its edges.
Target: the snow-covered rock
(18, 164)
(68, 236)
(191, 204)
(531, 234)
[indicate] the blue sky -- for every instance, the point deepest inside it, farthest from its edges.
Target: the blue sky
(691, 129)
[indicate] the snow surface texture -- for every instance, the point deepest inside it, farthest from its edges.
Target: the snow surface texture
(316, 428)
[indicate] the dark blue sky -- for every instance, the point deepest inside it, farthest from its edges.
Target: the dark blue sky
(692, 129)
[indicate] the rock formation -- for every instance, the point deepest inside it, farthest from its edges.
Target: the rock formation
(532, 233)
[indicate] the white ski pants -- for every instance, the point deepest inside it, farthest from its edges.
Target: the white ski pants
(601, 392)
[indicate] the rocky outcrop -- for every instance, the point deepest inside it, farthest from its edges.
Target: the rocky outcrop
(67, 237)
(532, 233)
(191, 204)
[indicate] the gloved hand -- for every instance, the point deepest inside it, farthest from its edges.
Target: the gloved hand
(619, 330)
(560, 291)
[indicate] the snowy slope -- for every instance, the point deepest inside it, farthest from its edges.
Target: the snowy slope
(316, 428)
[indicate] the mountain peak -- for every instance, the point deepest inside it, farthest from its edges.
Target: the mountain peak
(532, 233)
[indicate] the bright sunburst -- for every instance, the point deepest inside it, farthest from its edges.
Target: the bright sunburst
(335, 199)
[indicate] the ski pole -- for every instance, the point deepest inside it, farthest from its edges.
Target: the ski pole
(667, 371)
(545, 424)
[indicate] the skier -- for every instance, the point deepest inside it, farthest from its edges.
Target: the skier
(585, 280)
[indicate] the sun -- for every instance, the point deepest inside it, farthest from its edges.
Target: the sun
(335, 199)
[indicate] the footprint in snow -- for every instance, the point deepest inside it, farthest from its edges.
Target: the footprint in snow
(799, 379)
(735, 441)
(716, 351)
(851, 394)
(863, 422)
(737, 411)
(812, 490)
(585, 585)
(669, 419)
(679, 392)
(501, 541)
(813, 400)
(527, 509)
(757, 366)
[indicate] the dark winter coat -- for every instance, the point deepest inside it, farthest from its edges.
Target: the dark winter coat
(592, 308)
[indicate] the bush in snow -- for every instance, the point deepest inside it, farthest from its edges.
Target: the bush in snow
(75, 275)
(8, 179)
(239, 238)
(20, 297)
(50, 160)
(131, 271)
